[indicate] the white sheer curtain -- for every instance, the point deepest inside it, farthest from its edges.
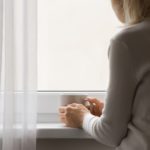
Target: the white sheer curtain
(18, 74)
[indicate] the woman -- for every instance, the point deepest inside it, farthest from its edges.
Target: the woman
(125, 120)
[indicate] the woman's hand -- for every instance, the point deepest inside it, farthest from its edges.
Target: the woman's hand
(94, 105)
(72, 115)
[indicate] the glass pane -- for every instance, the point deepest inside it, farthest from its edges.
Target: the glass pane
(73, 41)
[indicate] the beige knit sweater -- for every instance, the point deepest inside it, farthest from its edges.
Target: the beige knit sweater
(125, 122)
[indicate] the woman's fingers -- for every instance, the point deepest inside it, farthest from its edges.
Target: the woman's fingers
(95, 106)
(62, 109)
(72, 115)
(73, 105)
(94, 100)
(62, 114)
(62, 119)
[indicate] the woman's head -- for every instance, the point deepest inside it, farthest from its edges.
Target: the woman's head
(131, 11)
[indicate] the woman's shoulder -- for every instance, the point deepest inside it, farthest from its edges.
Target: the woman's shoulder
(124, 34)
(131, 33)
(122, 41)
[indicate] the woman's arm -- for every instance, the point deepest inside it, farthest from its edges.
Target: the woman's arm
(112, 126)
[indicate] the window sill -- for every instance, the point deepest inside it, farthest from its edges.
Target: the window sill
(59, 131)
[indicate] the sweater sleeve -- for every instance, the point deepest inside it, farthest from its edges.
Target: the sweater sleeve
(111, 127)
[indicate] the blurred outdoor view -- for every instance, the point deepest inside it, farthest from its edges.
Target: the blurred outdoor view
(73, 41)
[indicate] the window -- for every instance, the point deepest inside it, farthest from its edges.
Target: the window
(73, 40)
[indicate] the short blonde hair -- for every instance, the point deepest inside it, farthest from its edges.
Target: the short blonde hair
(136, 10)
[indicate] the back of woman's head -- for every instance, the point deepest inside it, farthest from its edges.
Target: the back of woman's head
(136, 10)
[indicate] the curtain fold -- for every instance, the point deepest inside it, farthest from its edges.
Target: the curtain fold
(18, 74)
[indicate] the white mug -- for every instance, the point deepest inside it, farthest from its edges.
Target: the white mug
(69, 99)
